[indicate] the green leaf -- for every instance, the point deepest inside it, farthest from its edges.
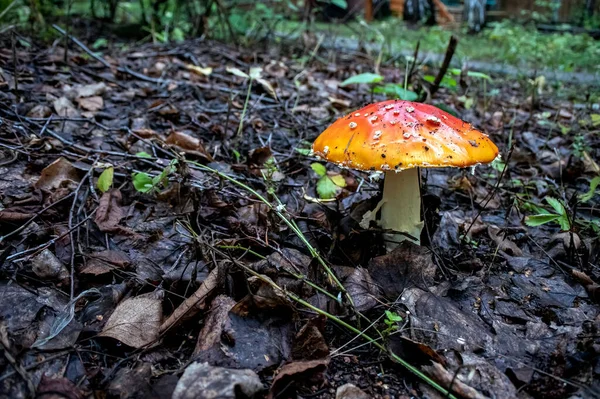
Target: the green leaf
(368, 78)
(396, 90)
(142, 182)
(99, 43)
(343, 4)
(595, 119)
(564, 222)
(318, 168)
(538, 220)
(326, 188)
(592, 191)
(143, 154)
(446, 81)
(303, 151)
(338, 180)
(471, 74)
(105, 180)
(557, 205)
(393, 316)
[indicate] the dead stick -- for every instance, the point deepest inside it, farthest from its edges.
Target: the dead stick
(445, 64)
(83, 46)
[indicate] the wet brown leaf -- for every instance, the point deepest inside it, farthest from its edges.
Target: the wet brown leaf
(310, 343)
(362, 289)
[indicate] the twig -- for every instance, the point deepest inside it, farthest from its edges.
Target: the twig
(445, 64)
(27, 223)
(83, 46)
(5, 345)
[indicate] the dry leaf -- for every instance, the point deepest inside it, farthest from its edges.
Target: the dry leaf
(188, 144)
(91, 90)
(105, 261)
(59, 173)
(65, 108)
(93, 104)
(136, 321)
(203, 381)
(110, 213)
(199, 70)
(197, 302)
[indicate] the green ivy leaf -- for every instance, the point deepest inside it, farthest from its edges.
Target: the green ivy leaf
(318, 168)
(326, 188)
(142, 182)
(105, 180)
(538, 220)
(367, 78)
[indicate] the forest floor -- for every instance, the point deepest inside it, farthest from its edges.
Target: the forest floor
(161, 234)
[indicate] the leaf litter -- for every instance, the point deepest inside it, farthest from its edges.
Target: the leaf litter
(183, 282)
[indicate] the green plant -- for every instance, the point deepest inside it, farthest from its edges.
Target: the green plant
(594, 183)
(394, 90)
(328, 185)
(391, 321)
(105, 180)
(144, 183)
(560, 216)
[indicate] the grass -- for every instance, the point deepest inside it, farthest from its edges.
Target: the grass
(501, 42)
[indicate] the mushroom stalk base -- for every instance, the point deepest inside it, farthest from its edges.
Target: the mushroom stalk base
(401, 207)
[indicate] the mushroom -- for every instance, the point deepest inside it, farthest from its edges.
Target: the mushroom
(398, 137)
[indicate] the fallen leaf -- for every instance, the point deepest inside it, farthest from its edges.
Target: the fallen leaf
(362, 290)
(203, 381)
(136, 321)
(60, 173)
(58, 388)
(91, 90)
(503, 243)
(65, 108)
(93, 104)
(304, 373)
(349, 391)
(47, 266)
(405, 266)
(39, 111)
(197, 302)
(104, 262)
(309, 343)
(188, 144)
(132, 383)
(110, 213)
(199, 70)
(215, 325)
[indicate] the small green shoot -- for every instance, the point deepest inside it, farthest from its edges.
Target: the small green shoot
(561, 217)
(328, 187)
(143, 154)
(105, 181)
(145, 184)
(592, 191)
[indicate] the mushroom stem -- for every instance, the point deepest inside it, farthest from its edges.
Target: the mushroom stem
(401, 206)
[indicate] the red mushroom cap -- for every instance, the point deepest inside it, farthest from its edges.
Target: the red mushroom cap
(397, 135)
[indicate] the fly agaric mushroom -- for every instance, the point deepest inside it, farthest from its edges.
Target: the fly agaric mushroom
(398, 137)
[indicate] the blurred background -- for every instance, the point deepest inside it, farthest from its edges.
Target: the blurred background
(549, 35)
